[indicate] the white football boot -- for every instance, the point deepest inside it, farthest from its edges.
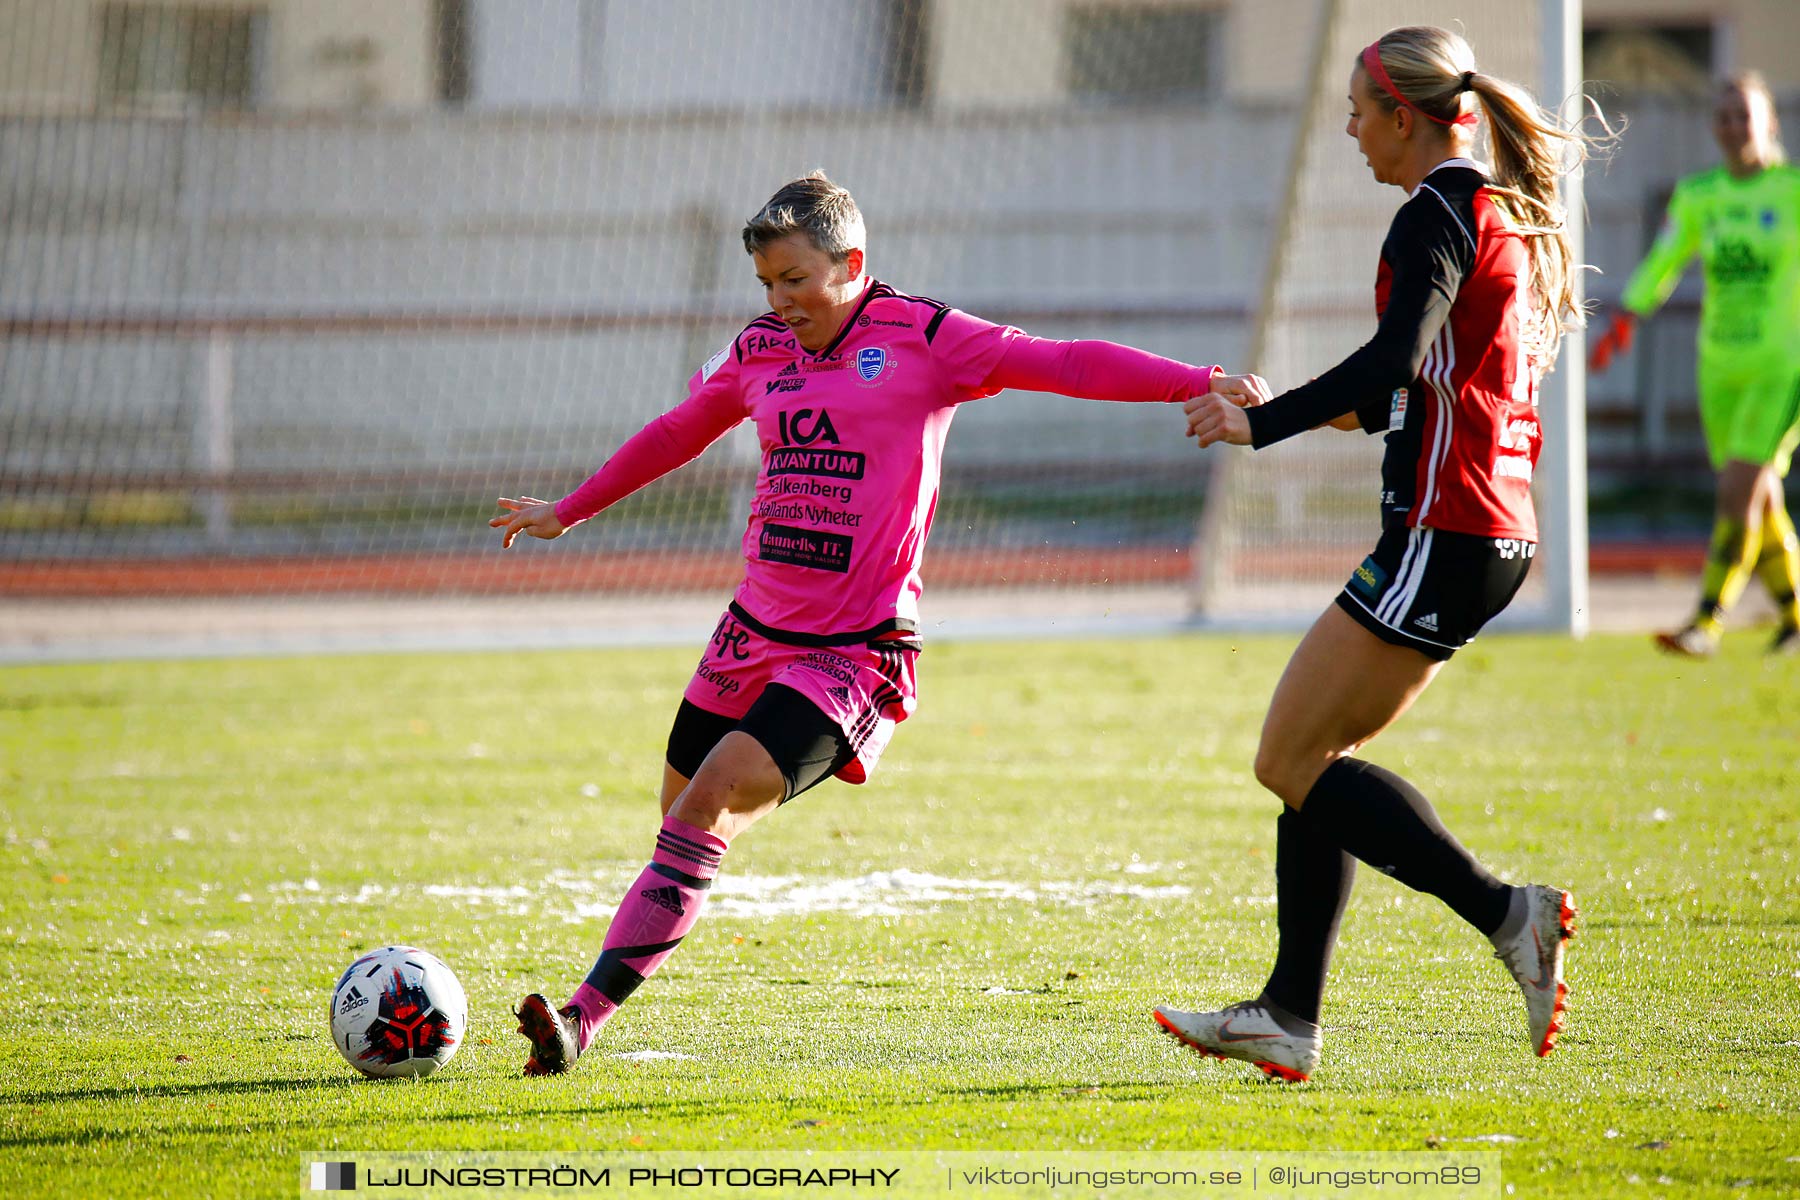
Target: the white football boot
(1280, 1044)
(1530, 943)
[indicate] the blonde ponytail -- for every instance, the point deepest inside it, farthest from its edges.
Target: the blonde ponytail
(1530, 150)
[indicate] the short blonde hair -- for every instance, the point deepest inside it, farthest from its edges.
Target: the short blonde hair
(814, 206)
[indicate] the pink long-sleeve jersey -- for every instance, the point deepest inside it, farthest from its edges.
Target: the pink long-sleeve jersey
(852, 447)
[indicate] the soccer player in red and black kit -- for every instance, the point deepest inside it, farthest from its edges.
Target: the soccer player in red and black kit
(1472, 292)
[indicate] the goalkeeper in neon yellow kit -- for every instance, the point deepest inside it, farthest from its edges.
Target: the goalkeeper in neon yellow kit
(1743, 219)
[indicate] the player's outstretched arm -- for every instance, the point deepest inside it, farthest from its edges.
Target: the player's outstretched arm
(1675, 246)
(713, 407)
(1096, 370)
(527, 514)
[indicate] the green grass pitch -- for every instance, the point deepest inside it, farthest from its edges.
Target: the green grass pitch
(961, 954)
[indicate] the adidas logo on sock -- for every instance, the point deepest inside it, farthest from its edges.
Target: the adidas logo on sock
(840, 694)
(665, 897)
(1428, 621)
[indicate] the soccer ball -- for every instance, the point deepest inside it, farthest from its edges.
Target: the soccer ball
(398, 1011)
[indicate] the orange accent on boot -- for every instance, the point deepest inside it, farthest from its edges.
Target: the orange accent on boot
(1557, 1017)
(1285, 1074)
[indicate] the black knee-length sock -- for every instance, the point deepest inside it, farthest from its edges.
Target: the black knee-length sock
(1384, 821)
(1312, 885)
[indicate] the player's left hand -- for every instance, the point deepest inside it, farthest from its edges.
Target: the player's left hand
(1216, 418)
(1245, 391)
(527, 515)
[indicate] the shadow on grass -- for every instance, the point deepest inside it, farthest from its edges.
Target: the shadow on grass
(1116, 1090)
(292, 1127)
(166, 1091)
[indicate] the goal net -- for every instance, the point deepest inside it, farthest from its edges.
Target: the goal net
(1284, 526)
(294, 290)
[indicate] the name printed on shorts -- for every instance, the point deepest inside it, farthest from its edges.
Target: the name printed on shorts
(719, 679)
(834, 665)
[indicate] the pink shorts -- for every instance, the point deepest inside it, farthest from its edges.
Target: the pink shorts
(867, 688)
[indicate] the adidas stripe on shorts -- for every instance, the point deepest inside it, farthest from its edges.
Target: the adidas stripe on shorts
(1432, 590)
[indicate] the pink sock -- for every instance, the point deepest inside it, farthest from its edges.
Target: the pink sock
(655, 915)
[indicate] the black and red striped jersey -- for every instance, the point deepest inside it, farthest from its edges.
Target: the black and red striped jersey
(1446, 376)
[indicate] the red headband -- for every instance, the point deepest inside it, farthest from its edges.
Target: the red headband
(1371, 60)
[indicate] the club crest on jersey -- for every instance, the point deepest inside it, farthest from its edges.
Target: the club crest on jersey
(871, 363)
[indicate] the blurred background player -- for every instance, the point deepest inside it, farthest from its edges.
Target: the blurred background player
(1472, 292)
(1743, 218)
(852, 387)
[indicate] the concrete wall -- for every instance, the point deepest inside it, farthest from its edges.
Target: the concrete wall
(317, 53)
(1762, 35)
(1099, 215)
(690, 54)
(637, 55)
(1145, 228)
(1149, 227)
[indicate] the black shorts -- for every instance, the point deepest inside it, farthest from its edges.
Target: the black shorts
(807, 746)
(1432, 590)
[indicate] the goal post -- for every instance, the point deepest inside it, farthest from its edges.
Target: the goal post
(1562, 469)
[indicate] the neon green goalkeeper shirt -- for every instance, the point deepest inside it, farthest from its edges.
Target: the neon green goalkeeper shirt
(1747, 232)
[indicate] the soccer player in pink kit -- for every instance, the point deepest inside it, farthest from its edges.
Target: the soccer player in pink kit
(852, 387)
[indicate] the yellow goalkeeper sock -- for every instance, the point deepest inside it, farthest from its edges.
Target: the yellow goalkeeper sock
(1778, 565)
(1729, 563)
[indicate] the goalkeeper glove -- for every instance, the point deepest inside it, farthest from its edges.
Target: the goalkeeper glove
(1614, 342)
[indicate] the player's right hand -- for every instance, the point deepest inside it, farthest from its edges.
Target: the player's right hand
(526, 514)
(1615, 341)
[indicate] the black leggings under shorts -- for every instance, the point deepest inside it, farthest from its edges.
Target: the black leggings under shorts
(807, 746)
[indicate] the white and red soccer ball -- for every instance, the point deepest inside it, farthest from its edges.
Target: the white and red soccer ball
(398, 1011)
